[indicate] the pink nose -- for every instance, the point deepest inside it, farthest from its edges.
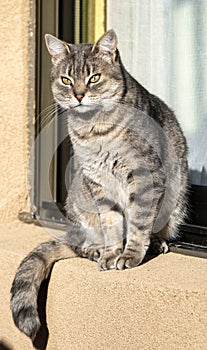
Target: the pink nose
(79, 97)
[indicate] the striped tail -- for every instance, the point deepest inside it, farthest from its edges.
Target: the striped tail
(32, 271)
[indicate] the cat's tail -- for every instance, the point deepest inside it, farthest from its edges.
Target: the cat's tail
(32, 271)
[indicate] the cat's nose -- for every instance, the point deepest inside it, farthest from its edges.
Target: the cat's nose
(79, 97)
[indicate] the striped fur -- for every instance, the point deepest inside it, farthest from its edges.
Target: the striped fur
(130, 189)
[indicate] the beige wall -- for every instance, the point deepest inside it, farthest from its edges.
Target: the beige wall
(14, 19)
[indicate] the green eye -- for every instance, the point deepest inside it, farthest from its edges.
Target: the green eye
(95, 78)
(66, 81)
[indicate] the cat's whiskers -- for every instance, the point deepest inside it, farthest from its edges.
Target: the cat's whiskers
(53, 111)
(46, 115)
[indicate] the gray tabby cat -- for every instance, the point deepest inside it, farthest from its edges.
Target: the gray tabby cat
(130, 190)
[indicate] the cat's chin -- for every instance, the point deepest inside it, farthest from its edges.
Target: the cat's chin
(84, 112)
(83, 108)
(87, 109)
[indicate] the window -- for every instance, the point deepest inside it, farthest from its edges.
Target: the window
(168, 54)
(73, 21)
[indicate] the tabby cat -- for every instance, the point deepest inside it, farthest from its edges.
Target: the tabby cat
(129, 191)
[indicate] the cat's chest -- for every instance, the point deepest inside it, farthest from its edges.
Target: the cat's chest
(101, 162)
(108, 172)
(106, 159)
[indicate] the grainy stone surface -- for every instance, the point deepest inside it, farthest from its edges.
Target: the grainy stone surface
(157, 306)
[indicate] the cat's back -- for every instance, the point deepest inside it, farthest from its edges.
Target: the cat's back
(153, 107)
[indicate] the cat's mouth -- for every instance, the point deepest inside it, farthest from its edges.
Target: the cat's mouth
(82, 108)
(81, 105)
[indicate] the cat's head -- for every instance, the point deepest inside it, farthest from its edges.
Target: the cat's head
(85, 75)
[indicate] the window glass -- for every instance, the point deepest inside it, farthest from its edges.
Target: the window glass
(164, 46)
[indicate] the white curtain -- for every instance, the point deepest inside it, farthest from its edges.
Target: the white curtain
(140, 26)
(163, 44)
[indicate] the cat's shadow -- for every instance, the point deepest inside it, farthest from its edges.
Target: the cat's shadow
(149, 256)
(41, 339)
(4, 346)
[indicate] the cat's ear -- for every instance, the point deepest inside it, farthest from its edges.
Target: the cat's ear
(57, 48)
(107, 44)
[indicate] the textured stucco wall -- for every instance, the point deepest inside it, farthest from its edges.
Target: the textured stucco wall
(14, 19)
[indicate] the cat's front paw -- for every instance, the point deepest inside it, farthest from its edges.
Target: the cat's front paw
(93, 252)
(128, 260)
(107, 262)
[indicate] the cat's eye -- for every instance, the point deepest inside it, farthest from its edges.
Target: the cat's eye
(66, 81)
(95, 78)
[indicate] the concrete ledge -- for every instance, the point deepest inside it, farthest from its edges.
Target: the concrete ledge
(159, 305)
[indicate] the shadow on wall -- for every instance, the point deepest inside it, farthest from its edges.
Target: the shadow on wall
(4, 346)
(41, 339)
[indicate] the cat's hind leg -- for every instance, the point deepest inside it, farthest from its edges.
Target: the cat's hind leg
(158, 245)
(170, 231)
(159, 241)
